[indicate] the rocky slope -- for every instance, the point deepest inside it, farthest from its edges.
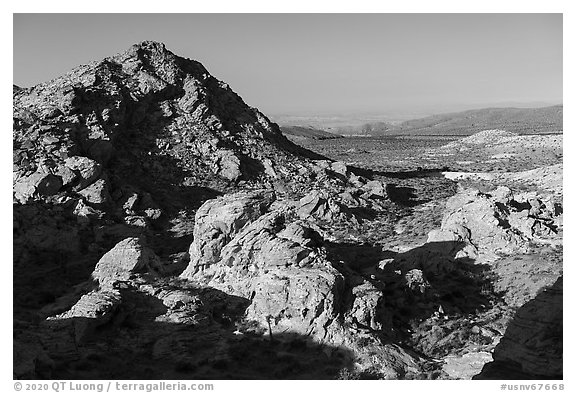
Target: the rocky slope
(164, 229)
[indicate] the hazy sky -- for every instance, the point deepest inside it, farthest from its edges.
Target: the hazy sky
(324, 63)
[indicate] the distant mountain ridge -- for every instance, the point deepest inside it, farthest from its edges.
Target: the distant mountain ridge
(520, 120)
(542, 120)
(308, 132)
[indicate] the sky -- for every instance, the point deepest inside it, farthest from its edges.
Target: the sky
(309, 64)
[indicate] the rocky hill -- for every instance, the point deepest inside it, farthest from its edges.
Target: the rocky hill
(163, 229)
(112, 162)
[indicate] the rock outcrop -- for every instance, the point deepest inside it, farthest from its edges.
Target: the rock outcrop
(498, 222)
(116, 269)
(278, 262)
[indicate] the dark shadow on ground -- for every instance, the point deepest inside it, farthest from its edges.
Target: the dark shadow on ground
(420, 281)
(411, 188)
(404, 196)
(536, 331)
(420, 173)
(51, 254)
(458, 284)
(205, 339)
(410, 174)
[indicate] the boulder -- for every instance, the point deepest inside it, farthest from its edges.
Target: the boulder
(87, 170)
(127, 257)
(92, 310)
(219, 220)
(229, 165)
(340, 168)
(96, 193)
(299, 300)
(272, 261)
(502, 195)
(37, 184)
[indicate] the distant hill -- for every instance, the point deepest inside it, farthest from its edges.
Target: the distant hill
(308, 132)
(366, 129)
(520, 120)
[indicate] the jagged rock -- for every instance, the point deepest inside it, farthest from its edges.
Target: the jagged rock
(37, 184)
(496, 222)
(153, 214)
(84, 213)
(96, 193)
(130, 202)
(340, 168)
(127, 257)
(316, 204)
(136, 221)
(228, 165)
(368, 307)
(67, 175)
(218, 220)
(416, 281)
(88, 170)
(374, 188)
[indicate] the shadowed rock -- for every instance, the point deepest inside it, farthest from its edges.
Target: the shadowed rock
(532, 346)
